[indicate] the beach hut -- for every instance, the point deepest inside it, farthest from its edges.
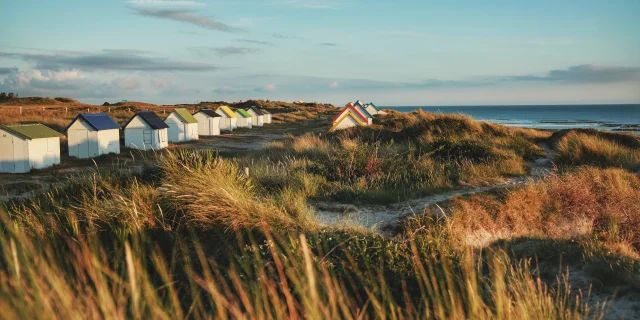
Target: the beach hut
(146, 131)
(93, 134)
(358, 105)
(208, 122)
(28, 146)
(182, 126)
(244, 119)
(347, 118)
(267, 116)
(373, 109)
(229, 118)
(257, 116)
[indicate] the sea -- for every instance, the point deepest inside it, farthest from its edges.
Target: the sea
(610, 117)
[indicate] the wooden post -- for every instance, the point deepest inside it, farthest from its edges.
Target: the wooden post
(87, 110)
(20, 110)
(109, 110)
(66, 109)
(246, 171)
(42, 108)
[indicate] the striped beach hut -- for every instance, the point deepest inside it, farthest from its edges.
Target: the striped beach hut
(93, 134)
(28, 146)
(146, 131)
(257, 116)
(373, 109)
(347, 118)
(229, 118)
(244, 119)
(208, 122)
(358, 105)
(182, 126)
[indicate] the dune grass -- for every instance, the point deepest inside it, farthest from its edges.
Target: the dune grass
(590, 147)
(406, 155)
(195, 237)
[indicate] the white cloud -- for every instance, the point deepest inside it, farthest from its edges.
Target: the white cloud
(270, 87)
(125, 83)
(333, 85)
(161, 83)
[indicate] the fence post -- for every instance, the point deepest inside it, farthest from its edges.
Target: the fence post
(246, 171)
(20, 110)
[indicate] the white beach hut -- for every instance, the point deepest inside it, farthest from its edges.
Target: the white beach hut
(28, 146)
(348, 117)
(208, 122)
(229, 118)
(244, 119)
(93, 134)
(146, 131)
(267, 116)
(257, 116)
(182, 126)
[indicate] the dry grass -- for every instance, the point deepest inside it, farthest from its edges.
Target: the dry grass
(588, 202)
(599, 149)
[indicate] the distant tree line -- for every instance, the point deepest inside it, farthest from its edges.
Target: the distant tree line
(7, 96)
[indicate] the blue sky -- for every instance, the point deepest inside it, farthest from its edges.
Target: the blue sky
(390, 52)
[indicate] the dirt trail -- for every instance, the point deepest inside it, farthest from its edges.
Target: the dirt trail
(377, 217)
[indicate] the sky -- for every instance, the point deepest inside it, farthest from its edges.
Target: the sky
(403, 52)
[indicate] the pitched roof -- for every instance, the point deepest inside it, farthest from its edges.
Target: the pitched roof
(265, 111)
(185, 115)
(228, 111)
(243, 113)
(349, 114)
(363, 111)
(32, 131)
(349, 106)
(358, 102)
(151, 118)
(256, 110)
(373, 105)
(210, 113)
(98, 121)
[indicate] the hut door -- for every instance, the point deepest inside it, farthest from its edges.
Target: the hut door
(7, 160)
(146, 138)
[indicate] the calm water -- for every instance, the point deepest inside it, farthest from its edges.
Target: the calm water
(604, 117)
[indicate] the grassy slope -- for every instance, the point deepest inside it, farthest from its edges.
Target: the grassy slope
(194, 236)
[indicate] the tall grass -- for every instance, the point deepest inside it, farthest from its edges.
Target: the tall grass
(599, 149)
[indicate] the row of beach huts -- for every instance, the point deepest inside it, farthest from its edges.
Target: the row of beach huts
(35, 146)
(355, 114)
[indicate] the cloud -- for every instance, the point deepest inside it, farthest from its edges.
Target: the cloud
(126, 83)
(48, 83)
(107, 61)
(5, 71)
(224, 51)
(283, 36)
(258, 42)
(328, 44)
(333, 85)
(125, 51)
(270, 87)
(165, 3)
(586, 73)
(407, 34)
(307, 4)
(161, 83)
(186, 16)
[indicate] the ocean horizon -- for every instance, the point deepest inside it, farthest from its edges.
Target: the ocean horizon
(611, 117)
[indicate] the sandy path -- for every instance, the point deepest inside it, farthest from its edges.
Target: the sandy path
(377, 217)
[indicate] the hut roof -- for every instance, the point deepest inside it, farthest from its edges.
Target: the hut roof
(210, 113)
(256, 110)
(98, 121)
(151, 118)
(349, 106)
(243, 113)
(185, 115)
(350, 113)
(228, 111)
(32, 131)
